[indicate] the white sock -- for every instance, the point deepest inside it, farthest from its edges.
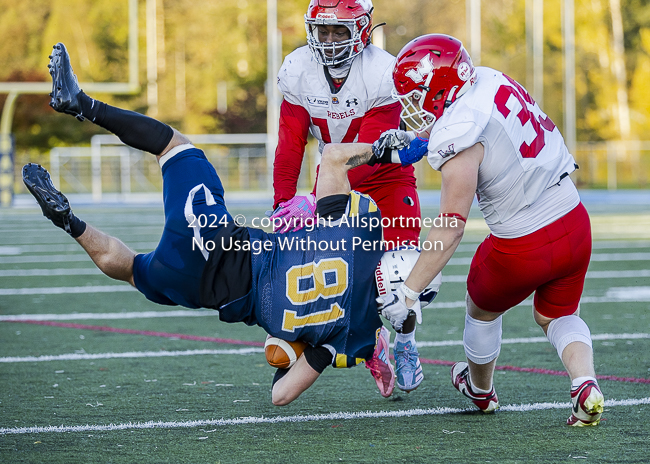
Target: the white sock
(403, 338)
(475, 389)
(575, 383)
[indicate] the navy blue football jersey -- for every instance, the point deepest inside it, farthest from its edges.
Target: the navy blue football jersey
(319, 286)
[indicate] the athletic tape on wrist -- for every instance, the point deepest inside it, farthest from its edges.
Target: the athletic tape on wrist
(410, 294)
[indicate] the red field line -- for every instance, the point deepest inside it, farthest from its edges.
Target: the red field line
(148, 333)
(142, 332)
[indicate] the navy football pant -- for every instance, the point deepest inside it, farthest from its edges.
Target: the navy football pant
(192, 196)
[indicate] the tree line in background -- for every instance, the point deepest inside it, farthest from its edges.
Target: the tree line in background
(211, 59)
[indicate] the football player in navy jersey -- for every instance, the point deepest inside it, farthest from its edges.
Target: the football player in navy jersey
(320, 288)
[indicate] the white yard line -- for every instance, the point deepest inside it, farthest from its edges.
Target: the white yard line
(250, 350)
(66, 290)
(445, 278)
(299, 418)
(595, 257)
(109, 316)
(130, 354)
(15, 258)
(50, 272)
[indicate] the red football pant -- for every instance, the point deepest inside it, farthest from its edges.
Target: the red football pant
(552, 262)
(401, 205)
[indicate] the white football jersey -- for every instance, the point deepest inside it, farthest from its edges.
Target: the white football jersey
(525, 158)
(336, 113)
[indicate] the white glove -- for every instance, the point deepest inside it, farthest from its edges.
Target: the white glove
(395, 139)
(393, 307)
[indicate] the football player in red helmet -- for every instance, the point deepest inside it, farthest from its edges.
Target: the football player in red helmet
(487, 136)
(338, 30)
(432, 72)
(338, 88)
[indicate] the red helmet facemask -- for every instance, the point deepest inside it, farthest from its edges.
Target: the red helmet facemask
(355, 15)
(430, 73)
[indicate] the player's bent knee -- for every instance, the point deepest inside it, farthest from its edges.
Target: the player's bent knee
(334, 154)
(482, 340)
(176, 140)
(568, 329)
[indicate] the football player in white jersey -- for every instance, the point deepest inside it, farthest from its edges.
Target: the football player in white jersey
(488, 137)
(338, 87)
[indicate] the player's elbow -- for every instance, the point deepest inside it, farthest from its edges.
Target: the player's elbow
(457, 231)
(281, 398)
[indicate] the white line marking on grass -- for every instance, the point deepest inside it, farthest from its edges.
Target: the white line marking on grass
(45, 259)
(299, 418)
(64, 247)
(50, 272)
(10, 250)
(247, 351)
(445, 278)
(594, 257)
(620, 257)
(131, 354)
(590, 275)
(453, 262)
(621, 295)
(97, 316)
(629, 293)
(67, 290)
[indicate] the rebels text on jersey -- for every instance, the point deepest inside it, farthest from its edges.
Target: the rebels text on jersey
(521, 186)
(336, 114)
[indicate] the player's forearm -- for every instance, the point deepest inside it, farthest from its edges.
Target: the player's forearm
(359, 154)
(337, 160)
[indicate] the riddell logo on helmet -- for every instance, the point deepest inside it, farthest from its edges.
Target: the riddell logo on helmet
(379, 278)
(326, 16)
(464, 71)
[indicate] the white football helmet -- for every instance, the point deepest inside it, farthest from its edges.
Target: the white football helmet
(394, 268)
(356, 15)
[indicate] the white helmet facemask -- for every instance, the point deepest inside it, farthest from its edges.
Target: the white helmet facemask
(333, 54)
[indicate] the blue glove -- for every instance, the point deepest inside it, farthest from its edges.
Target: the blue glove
(413, 153)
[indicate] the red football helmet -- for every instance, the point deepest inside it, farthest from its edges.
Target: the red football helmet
(356, 15)
(431, 72)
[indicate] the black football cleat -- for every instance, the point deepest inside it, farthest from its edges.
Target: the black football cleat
(65, 87)
(54, 204)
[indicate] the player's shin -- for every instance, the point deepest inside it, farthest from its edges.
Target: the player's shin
(134, 129)
(482, 342)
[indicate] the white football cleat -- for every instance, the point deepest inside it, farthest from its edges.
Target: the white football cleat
(588, 403)
(486, 402)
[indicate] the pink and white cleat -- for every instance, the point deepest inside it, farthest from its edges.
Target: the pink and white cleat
(380, 366)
